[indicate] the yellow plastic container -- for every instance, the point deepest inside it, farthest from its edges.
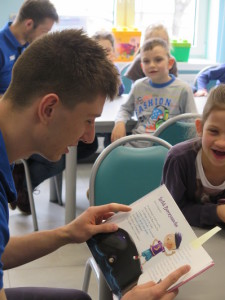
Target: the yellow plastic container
(127, 43)
(181, 50)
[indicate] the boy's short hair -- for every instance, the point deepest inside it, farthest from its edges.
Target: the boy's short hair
(37, 10)
(67, 63)
(104, 35)
(153, 42)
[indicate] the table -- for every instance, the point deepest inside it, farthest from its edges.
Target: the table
(200, 103)
(210, 284)
(103, 124)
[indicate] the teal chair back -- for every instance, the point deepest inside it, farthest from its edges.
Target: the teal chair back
(126, 81)
(124, 174)
(175, 130)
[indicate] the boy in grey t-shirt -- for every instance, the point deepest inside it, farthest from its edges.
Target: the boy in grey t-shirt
(157, 97)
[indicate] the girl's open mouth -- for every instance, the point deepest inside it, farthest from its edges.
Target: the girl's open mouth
(219, 153)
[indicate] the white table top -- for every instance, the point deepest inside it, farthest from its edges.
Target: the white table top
(200, 103)
(105, 123)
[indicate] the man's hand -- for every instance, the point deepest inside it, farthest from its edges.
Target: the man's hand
(157, 291)
(2, 295)
(91, 222)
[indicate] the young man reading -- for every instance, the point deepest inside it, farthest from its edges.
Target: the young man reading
(58, 88)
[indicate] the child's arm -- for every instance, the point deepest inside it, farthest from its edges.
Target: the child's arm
(212, 74)
(187, 102)
(118, 131)
(125, 113)
(201, 93)
(155, 241)
(202, 82)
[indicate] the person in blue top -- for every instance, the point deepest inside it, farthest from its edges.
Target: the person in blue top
(217, 73)
(57, 109)
(34, 19)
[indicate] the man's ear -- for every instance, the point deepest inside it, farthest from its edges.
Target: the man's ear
(29, 24)
(47, 106)
(198, 126)
(171, 62)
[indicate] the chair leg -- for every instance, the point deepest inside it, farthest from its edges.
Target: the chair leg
(90, 265)
(103, 288)
(104, 291)
(58, 187)
(87, 276)
(53, 193)
(30, 194)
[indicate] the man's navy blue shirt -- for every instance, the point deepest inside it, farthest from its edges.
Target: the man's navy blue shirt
(10, 50)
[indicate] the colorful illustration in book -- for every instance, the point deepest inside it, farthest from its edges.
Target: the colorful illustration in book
(171, 242)
(114, 253)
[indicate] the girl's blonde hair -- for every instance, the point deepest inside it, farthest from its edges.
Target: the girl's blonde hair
(153, 31)
(215, 101)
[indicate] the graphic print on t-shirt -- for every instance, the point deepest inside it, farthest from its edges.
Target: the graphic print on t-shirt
(152, 111)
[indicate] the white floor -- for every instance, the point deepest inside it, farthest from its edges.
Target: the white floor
(65, 267)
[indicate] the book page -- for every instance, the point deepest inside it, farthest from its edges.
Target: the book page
(197, 258)
(162, 237)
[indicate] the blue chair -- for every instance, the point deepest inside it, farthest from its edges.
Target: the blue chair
(123, 174)
(175, 130)
(126, 81)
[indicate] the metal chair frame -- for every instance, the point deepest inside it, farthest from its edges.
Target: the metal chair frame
(56, 181)
(177, 119)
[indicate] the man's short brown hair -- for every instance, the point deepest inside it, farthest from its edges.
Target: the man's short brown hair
(67, 63)
(37, 10)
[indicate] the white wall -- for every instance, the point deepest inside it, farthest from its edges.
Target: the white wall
(8, 8)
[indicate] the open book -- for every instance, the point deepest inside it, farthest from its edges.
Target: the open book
(153, 239)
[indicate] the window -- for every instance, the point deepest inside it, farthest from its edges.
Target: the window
(185, 19)
(178, 16)
(91, 15)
